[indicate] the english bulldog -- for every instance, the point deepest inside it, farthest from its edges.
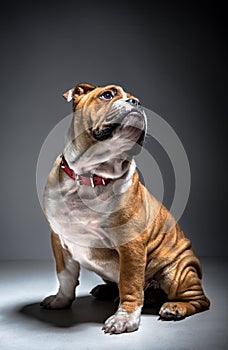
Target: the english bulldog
(103, 218)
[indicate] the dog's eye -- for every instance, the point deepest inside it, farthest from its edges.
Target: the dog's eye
(107, 95)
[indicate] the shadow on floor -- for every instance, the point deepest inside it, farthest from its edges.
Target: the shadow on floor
(85, 309)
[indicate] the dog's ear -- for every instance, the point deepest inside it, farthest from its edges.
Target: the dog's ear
(78, 90)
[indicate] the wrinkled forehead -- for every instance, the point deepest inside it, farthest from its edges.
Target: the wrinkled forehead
(94, 97)
(118, 91)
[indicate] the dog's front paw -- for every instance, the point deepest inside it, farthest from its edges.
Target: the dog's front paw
(56, 302)
(122, 321)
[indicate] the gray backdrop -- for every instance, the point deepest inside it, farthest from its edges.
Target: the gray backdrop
(173, 57)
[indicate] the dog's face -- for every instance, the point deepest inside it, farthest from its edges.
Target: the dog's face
(108, 113)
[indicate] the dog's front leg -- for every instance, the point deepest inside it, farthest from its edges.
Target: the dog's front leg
(68, 273)
(131, 283)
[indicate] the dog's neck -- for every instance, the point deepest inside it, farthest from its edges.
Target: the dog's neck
(101, 159)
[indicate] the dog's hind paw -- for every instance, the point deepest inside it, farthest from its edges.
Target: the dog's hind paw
(107, 291)
(173, 311)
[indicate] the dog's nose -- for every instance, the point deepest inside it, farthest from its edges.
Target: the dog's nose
(133, 101)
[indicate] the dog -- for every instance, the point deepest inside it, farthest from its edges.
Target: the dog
(103, 218)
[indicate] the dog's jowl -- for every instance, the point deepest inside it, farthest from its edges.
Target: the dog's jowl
(103, 218)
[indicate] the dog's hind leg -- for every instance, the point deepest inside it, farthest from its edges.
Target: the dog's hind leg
(67, 272)
(107, 291)
(185, 293)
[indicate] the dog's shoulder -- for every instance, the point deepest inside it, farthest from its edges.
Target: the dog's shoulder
(54, 176)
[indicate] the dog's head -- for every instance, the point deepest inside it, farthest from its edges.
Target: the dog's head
(108, 113)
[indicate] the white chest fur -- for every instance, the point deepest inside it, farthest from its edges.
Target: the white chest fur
(103, 261)
(79, 215)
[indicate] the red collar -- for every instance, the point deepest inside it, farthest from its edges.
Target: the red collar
(85, 179)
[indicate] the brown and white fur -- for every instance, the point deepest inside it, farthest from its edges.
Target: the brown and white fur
(119, 231)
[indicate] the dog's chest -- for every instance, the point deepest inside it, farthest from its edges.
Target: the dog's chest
(78, 219)
(102, 261)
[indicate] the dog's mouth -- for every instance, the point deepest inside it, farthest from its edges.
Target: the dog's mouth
(131, 126)
(104, 133)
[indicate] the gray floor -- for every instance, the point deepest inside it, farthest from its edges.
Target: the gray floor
(24, 325)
